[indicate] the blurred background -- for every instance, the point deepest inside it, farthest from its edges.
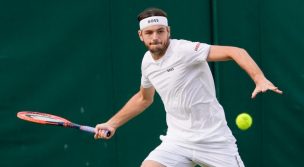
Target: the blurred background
(80, 59)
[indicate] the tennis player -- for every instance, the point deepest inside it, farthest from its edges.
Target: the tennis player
(178, 70)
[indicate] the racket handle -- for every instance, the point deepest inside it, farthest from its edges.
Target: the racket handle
(108, 133)
(87, 129)
(92, 130)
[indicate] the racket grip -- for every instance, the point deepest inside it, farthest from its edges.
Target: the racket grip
(92, 130)
(87, 129)
(108, 133)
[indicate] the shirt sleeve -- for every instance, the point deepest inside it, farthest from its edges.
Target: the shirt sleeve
(145, 82)
(195, 52)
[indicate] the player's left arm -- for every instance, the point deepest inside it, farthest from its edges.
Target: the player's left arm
(243, 59)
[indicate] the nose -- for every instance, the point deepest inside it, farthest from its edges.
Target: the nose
(155, 36)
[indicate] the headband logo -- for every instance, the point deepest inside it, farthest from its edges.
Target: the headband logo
(153, 21)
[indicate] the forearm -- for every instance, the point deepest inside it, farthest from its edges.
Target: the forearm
(243, 59)
(132, 108)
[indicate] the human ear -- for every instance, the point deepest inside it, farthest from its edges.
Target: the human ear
(169, 31)
(140, 35)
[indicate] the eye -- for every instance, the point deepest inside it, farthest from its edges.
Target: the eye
(148, 32)
(160, 31)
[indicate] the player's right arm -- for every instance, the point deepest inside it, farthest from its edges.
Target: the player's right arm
(137, 104)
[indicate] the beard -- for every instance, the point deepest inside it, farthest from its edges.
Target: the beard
(157, 47)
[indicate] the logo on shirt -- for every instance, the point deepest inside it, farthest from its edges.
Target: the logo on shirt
(170, 69)
(197, 46)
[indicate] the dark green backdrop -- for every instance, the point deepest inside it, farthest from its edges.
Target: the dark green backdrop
(81, 60)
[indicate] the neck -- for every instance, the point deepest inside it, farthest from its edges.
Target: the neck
(157, 56)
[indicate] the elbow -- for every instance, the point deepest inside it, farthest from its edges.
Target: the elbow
(148, 102)
(144, 100)
(242, 50)
(145, 103)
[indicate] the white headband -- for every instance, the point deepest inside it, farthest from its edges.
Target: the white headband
(154, 20)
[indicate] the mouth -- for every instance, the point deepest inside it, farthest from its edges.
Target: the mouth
(158, 43)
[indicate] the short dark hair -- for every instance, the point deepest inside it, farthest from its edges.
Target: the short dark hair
(151, 12)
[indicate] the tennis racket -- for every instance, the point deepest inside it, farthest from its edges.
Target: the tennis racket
(49, 119)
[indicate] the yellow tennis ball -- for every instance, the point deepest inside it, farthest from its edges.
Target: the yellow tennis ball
(243, 121)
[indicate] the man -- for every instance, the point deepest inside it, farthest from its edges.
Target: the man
(178, 70)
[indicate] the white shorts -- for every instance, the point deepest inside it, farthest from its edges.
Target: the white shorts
(173, 155)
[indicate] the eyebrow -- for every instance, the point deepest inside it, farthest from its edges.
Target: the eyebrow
(161, 28)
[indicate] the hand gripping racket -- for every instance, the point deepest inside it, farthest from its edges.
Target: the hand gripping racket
(48, 119)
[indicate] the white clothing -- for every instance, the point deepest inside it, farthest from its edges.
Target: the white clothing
(172, 155)
(183, 79)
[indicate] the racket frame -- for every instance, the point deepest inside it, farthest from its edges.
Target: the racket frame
(30, 116)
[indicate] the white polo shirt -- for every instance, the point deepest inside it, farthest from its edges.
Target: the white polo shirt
(183, 80)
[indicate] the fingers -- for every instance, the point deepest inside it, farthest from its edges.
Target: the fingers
(276, 90)
(254, 93)
(96, 136)
(103, 131)
(263, 86)
(262, 90)
(102, 134)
